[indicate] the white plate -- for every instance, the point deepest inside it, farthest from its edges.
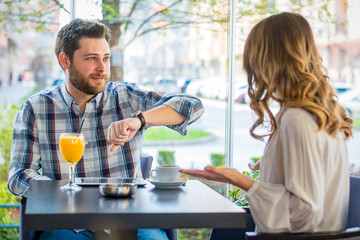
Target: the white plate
(167, 184)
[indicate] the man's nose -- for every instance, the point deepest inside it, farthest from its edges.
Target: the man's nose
(101, 66)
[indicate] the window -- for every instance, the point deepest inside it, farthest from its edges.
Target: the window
(176, 48)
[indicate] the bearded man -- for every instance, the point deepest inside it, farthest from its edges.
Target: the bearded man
(115, 116)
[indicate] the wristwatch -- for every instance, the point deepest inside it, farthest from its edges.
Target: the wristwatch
(140, 116)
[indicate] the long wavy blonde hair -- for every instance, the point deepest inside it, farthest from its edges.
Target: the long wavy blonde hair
(283, 64)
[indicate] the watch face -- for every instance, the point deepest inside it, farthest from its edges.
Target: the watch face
(135, 114)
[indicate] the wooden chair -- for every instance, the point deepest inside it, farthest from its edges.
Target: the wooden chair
(353, 223)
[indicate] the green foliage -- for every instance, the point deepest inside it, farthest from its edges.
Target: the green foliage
(134, 19)
(7, 119)
(9, 234)
(137, 19)
(7, 197)
(194, 233)
(166, 157)
(164, 133)
(356, 123)
(8, 216)
(217, 159)
(237, 195)
(21, 15)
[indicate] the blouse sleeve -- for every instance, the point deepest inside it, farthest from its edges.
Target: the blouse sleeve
(296, 204)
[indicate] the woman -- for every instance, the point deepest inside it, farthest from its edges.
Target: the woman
(304, 178)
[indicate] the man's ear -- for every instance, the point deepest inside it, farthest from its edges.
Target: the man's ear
(64, 60)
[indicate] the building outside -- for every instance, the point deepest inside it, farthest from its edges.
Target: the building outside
(26, 54)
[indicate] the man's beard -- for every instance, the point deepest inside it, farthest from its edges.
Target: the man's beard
(81, 82)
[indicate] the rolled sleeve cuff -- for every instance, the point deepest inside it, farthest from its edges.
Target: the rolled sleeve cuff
(189, 107)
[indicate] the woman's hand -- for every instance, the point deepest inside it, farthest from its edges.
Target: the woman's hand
(255, 166)
(227, 175)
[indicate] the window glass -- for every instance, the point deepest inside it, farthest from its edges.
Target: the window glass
(173, 48)
(183, 58)
(337, 37)
(179, 48)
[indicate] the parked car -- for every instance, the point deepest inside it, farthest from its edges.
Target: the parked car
(240, 93)
(166, 85)
(183, 83)
(194, 87)
(53, 81)
(240, 90)
(350, 100)
(222, 93)
(58, 81)
(147, 83)
(211, 88)
(341, 87)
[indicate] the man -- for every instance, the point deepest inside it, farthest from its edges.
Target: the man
(115, 116)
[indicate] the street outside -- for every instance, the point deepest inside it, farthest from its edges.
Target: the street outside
(213, 121)
(245, 147)
(14, 93)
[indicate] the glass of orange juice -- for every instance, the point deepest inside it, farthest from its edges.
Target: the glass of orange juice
(72, 146)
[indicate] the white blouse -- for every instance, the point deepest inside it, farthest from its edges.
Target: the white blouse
(304, 178)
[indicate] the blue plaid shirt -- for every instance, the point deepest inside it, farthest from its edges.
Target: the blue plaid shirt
(43, 117)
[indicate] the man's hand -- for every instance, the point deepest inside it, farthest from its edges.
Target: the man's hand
(121, 132)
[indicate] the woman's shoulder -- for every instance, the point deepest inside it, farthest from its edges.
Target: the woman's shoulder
(296, 114)
(298, 118)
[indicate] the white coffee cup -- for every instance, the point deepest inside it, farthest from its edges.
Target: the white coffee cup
(166, 172)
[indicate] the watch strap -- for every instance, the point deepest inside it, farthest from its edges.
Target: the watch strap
(140, 116)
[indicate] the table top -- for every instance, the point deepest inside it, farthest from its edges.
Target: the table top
(194, 205)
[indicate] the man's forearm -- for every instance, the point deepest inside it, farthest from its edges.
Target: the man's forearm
(163, 115)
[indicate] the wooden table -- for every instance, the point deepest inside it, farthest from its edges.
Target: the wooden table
(194, 205)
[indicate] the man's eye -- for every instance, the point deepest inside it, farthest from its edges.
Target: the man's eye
(91, 58)
(107, 58)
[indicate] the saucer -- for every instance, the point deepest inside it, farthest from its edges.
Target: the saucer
(167, 184)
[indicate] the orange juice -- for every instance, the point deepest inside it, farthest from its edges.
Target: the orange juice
(72, 147)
